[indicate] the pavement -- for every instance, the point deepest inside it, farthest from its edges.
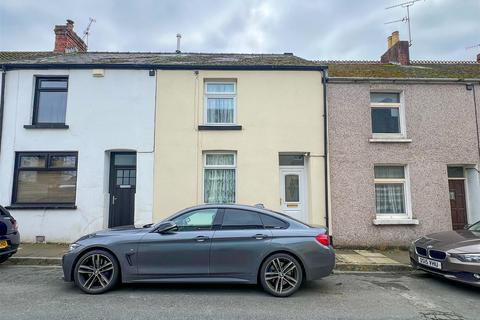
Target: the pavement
(347, 259)
(38, 292)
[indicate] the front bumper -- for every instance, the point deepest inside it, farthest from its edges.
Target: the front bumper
(13, 241)
(68, 260)
(452, 269)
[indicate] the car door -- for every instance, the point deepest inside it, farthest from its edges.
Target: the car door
(239, 245)
(184, 252)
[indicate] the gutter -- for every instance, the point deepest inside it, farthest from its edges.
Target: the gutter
(2, 103)
(403, 80)
(325, 79)
(162, 66)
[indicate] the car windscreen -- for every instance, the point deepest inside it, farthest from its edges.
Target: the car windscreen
(475, 227)
(3, 212)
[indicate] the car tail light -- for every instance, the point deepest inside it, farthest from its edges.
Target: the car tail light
(323, 239)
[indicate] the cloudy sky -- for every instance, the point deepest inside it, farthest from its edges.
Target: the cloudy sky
(315, 29)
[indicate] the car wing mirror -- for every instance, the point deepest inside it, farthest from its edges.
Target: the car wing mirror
(167, 226)
(467, 226)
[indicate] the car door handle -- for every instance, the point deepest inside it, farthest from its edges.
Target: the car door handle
(260, 236)
(201, 238)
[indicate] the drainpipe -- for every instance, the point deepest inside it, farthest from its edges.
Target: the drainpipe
(325, 144)
(2, 103)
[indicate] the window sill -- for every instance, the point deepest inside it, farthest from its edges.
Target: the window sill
(390, 140)
(383, 221)
(219, 127)
(46, 126)
(41, 207)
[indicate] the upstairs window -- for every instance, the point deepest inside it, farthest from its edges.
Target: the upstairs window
(386, 113)
(50, 103)
(220, 103)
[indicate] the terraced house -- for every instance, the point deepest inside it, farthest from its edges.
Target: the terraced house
(404, 144)
(95, 139)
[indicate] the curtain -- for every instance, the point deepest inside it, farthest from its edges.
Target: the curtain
(220, 159)
(390, 198)
(220, 110)
(219, 186)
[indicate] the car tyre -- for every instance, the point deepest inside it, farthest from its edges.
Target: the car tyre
(4, 258)
(96, 272)
(281, 275)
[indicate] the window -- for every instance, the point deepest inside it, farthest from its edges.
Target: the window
(45, 178)
(291, 160)
(270, 222)
(386, 113)
(220, 103)
(237, 219)
(455, 172)
(219, 178)
(390, 191)
(196, 220)
(50, 102)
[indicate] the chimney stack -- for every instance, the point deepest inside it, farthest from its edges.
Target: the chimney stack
(397, 51)
(66, 40)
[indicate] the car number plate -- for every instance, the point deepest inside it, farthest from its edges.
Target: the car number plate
(430, 263)
(3, 244)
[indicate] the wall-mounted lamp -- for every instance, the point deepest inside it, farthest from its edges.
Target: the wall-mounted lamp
(151, 72)
(469, 86)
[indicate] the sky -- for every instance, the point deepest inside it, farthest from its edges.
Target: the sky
(313, 29)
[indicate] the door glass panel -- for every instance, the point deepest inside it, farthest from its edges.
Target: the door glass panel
(241, 219)
(125, 159)
(292, 188)
(196, 220)
(126, 177)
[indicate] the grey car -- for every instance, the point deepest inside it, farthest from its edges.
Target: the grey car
(454, 255)
(207, 243)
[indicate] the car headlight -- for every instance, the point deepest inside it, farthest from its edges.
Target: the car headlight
(73, 246)
(470, 257)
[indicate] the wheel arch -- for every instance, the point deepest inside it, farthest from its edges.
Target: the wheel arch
(89, 249)
(293, 254)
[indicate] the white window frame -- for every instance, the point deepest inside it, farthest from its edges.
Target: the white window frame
(205, 166)
(220, 95)
(406, 193)
(401, 110)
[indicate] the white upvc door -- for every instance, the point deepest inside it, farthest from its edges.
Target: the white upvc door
(293, 197)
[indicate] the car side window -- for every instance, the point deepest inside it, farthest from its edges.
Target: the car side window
(196, 220)
(270, 222)
(238, 219)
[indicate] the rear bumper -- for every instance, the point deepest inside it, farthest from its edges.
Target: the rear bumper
(452, 269)
(321, 265)
(13, 243)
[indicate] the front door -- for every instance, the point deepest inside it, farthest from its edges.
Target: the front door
(292, 192)
(123, 181)
(458, 203)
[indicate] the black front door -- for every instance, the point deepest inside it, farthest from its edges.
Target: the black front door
(123, 181)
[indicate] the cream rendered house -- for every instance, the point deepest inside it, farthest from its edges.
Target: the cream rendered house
(244, 129)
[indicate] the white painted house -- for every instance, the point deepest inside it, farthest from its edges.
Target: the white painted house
(77, 147)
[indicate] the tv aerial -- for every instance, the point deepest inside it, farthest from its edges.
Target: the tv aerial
(86, 33)
(406, 18)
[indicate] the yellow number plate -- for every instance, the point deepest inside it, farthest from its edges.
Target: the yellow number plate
(3, 244)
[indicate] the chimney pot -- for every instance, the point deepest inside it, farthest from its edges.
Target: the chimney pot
(395, 37)
(389, 42)
(179, 37)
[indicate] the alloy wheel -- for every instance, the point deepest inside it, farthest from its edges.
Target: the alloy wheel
(96, 272)
(282, 275)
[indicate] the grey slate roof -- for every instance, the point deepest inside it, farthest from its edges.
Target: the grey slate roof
(153, 58)
(416, 69)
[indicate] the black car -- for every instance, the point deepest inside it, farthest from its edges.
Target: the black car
(9, 235)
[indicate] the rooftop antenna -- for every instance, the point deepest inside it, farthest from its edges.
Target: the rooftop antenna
(86, 33)
(179, 37)
(473, 47)
(406, 19)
